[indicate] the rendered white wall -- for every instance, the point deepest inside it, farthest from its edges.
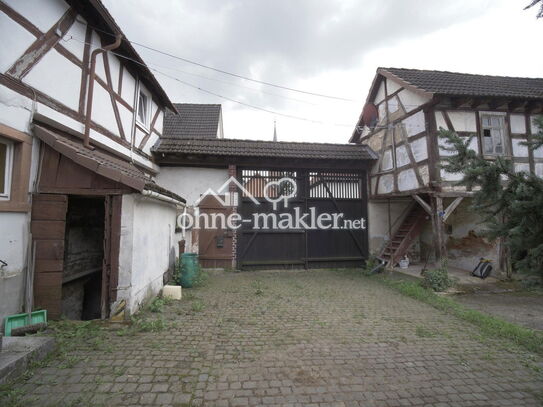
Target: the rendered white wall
(13, 246)
(191, 182)
(378, 229)
(148, 248)
(20, 39)
(41, 16)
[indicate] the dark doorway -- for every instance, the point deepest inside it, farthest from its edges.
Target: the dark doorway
(83, 258)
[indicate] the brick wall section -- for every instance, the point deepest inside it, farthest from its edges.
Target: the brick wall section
(232, 172)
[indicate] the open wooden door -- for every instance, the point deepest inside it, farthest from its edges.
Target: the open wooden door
(48, 228)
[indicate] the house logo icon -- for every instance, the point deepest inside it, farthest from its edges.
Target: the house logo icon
(226, 197)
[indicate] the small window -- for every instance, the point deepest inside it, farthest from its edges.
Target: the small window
(6, 152)
(493, 129)
(143, 108)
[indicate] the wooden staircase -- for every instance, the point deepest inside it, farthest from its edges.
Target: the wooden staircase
(405, 235)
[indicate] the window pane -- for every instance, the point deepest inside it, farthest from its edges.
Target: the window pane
(496, 121)
(142, 108)
(3, 165)
(487, 140)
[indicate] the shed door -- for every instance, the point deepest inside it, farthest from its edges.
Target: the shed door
(48, 226)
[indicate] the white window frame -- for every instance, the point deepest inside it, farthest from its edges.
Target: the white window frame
(5, 196)
(503, 129)
(147, 124)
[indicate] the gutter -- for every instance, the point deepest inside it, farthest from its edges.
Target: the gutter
(92, 77)
(160, 197)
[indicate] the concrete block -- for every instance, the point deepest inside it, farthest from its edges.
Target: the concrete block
(18, 351)
(172, 291)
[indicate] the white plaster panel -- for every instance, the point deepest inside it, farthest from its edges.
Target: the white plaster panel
(393, 105)
(533, 125)
(519, 167)
(518, 123)
(114, 67)
(386, 184)
(392, 86)
(100, 67)
(407, 180)
(447, 176)
(380, 95)
(474, 144)
(102, 109)
(150, 143)
(539, 170)
(419, 149)
(518, 149)
(129, 87)
(191, 182)
(160, 121)
(140, 134)
(76, 45)
(440, 121)
(15, 110)
(57, 77)
(382, 112)
(442, 144)
(538, 152)
(386, 162)
(378, 228)
(43, 14)
(463, 121)
(414, 124)
(402, 158)
(126, 120)
(19, 40)
(411, 100)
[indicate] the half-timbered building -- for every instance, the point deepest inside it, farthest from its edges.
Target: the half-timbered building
(79, 205)
(416, 205)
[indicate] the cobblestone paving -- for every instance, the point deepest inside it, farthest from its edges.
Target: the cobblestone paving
(324, 338)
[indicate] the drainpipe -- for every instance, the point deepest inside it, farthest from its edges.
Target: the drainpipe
(161, 197)
(92, 75)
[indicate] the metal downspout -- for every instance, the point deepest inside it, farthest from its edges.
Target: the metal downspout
(92, 76)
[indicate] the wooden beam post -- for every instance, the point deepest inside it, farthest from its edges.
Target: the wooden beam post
(423, 203)
(450, 209)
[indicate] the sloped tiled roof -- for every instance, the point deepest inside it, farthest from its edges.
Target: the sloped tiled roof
(463, 84)
(193, 121)
(265, 149)
(100, 162)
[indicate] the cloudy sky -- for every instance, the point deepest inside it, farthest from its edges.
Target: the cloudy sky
(330, 47)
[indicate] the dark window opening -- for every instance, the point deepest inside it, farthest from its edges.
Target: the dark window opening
(83, 258)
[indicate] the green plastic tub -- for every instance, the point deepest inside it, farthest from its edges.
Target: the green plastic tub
(189, 269)
(20, 320)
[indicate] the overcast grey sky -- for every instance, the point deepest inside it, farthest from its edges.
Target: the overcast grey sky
(323, 46)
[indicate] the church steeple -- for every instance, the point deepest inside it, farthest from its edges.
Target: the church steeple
(274, 131)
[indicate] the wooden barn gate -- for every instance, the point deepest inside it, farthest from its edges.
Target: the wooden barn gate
(327, 191)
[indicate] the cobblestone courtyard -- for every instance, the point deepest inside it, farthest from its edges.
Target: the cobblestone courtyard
(324, 338)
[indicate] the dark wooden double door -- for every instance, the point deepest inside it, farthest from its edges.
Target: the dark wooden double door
(323, 192)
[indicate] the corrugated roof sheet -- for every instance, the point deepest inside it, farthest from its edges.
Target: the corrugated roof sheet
(269, 149)
(193, 121)
(463, 84)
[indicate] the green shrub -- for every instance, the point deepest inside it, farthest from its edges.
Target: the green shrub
(437, 280)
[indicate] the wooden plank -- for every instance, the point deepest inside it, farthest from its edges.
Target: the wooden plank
(48, 210)
(47, 229)
(422, 203)
(49, 250)
(452, 206)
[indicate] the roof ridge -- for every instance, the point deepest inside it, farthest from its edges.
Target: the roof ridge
(459, 73)
(258, 141)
